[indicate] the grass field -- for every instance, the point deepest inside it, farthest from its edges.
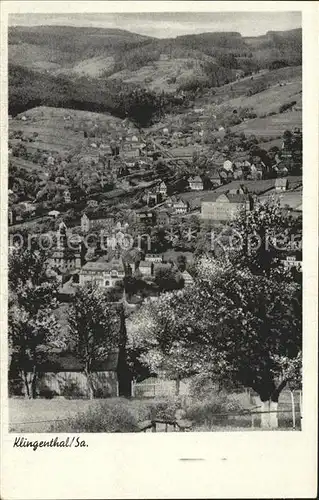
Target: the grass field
(270, 126)
(60, 131)
(158, 75)
(40, 415)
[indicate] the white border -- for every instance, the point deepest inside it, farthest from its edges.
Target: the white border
(235, 465)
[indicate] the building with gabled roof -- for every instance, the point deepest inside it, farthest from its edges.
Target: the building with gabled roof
(188, 279)
(196, 183)
(102, 273)
(224, 206)
(161, 188)
(181, 207)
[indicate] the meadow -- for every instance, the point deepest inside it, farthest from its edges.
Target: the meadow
(49, 415)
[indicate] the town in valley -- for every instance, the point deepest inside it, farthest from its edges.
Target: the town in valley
(155, 228)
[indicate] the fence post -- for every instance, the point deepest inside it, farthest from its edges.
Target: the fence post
(117, 389)
(132, 389)
(293, 409)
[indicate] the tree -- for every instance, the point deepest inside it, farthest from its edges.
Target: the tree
(149, 348)
(261, 238)
(92, 323)
(168, 278)
(233, 325)
(33, 329)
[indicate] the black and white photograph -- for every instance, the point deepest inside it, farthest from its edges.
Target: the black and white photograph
(155, 176)
(159, 228)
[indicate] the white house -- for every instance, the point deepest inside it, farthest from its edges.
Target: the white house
(101, 273)
(228, 166)
(188, 280)
(67, 196)
(54, 214)
(162, 189)
(196, 183)
(180, 207)
(85, 223)
(151, 257)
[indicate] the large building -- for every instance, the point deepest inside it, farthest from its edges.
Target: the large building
(66, 254)
(101, 273)
(224, 206)
(95, 220)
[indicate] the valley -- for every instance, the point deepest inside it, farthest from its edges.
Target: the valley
(143, 162)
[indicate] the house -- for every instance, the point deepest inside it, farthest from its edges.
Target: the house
(281, 184)
(215, 180)
(146, 268)
(65, 257)
(94, 220)
(196, 183)
(153, 199)
(145, 217)
(188, 280)
(180, 207)
(61, 372)
(54, 214)
(239, 74)
(163, 218)
(224, 206)
(50, 161)
(92, 203)
(102, 273)
(85, 223)
(162, 189)
(291, 262)
(67, 196)
(152, 257)
(228, 166)
(170, 201)
(135, 153)
(236, 190)
(27, 208)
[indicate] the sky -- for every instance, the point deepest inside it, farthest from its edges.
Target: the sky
(170, 24)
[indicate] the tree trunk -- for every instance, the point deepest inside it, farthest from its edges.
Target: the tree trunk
(269, 415)
(89, 384)
(29, 381)
(27, 388)
(177, 385)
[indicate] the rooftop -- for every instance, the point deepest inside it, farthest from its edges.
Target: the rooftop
(232, 198)
(102, 265)
(69, 362)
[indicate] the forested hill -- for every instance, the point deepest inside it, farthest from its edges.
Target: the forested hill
(94, 50)
(98, 69)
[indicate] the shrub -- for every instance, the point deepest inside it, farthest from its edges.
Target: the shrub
(286, 106)
(163, 408)
(71, 390)
(214, 410)
(256, 88)
(105, 417)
